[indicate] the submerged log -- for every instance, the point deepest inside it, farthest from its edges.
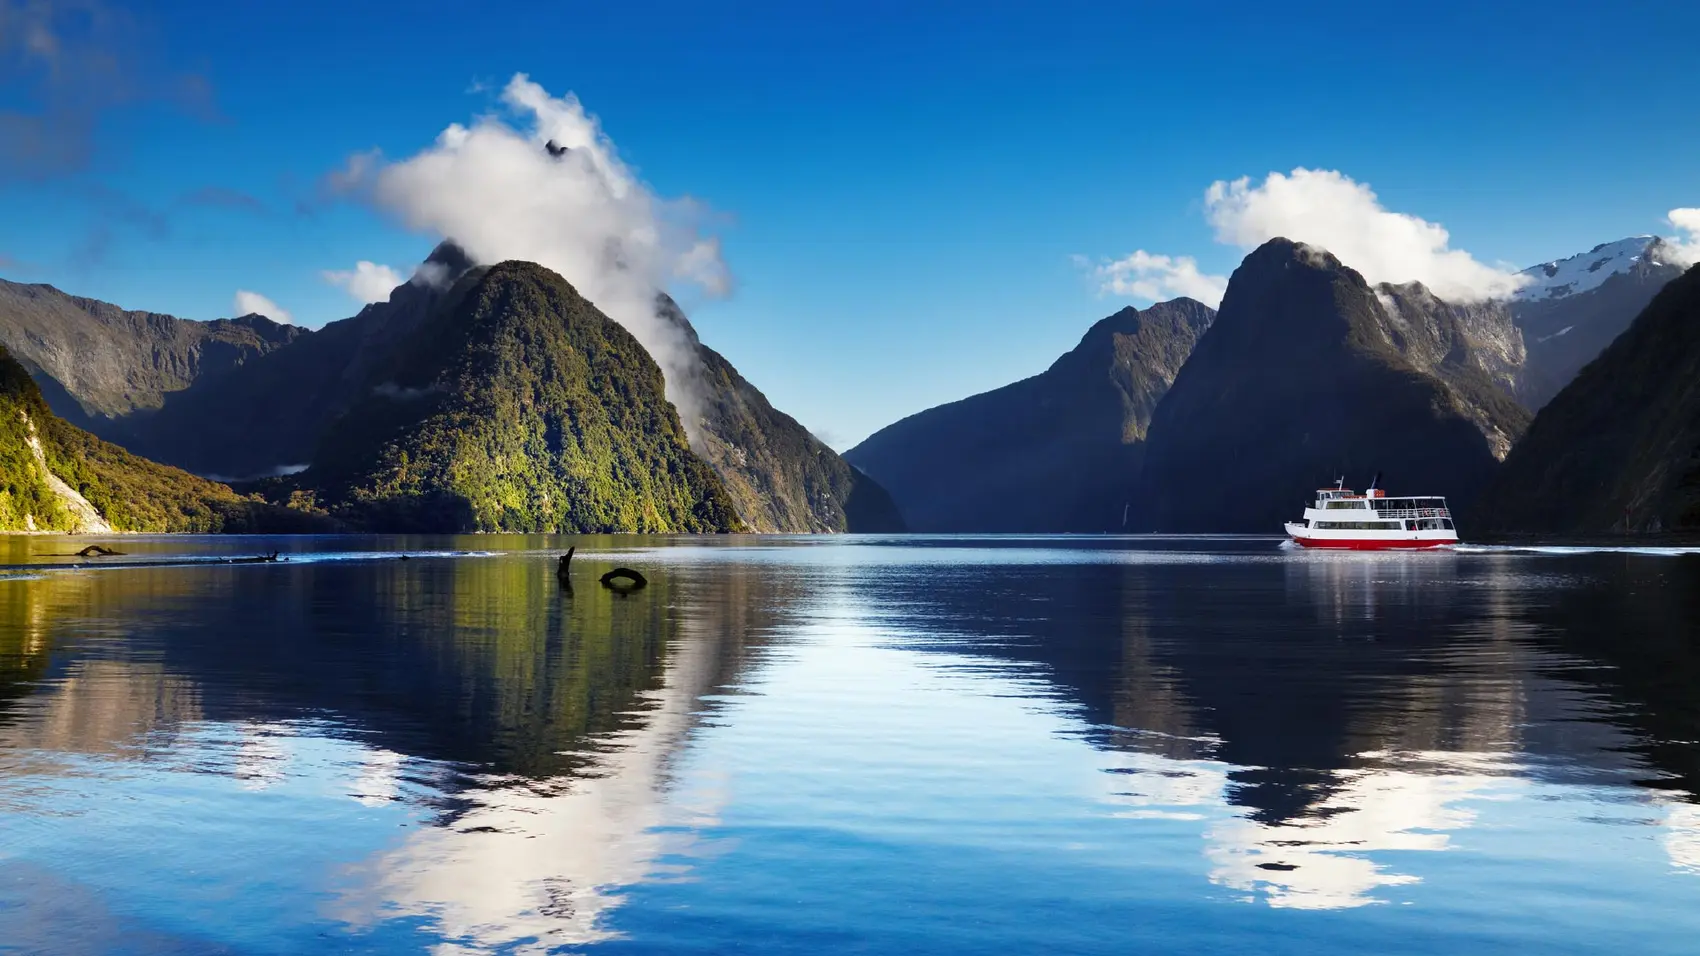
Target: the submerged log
(624, 579)
(96, 551)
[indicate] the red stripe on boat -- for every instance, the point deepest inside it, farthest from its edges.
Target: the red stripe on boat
(1365, 544)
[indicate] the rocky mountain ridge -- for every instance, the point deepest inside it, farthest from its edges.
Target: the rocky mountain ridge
(103, 363)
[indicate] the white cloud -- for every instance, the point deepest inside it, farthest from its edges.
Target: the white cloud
(1329, 209)
(367, 281)
(251, 302)
(1685, 249)
(497, 191)
(1154, 277)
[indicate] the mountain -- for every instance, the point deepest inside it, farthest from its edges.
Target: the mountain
(1618, 449)
(57, 477)
(269, 416)
(1573, 308)
(515, 405)
(99, 363)
(1475, 348)
(1308, 373)
(781, 477)
(1056, 452)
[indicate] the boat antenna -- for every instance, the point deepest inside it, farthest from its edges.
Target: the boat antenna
(1373, 482)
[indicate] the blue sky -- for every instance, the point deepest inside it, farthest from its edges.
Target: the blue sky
(900, 190)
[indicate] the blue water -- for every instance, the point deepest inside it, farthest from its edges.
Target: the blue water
(868, 745)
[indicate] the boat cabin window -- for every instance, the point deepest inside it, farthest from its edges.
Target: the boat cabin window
(1332, 505)
(1360, 525)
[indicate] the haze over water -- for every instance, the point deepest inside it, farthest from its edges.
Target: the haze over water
(876, 745)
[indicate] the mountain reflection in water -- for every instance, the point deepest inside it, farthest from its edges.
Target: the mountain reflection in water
(890, 745)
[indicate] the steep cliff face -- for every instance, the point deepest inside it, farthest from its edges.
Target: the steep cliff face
(516, 406)
(1305, 376)
(1475, 348)
(1060, 451)
(98, 363)
(781, 477)
(1618, 449)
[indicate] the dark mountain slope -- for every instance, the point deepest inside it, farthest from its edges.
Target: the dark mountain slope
(98, 363)
(1056, 452)
(272, 414)
(1619, 448)
(1302, 377)
(516, 406)
(781, 477)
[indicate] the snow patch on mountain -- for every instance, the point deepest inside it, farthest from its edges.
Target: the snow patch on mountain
(1585, 271)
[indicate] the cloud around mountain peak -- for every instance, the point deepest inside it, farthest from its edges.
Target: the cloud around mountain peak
(542, 182)
(1684, 250)
(1320, 207)
(253, 303)
(1327, 208)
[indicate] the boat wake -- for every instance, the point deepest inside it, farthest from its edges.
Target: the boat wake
(1572, 549)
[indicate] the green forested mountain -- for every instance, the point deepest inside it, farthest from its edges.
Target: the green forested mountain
(517, 406)
(57, 477)
(268, 409)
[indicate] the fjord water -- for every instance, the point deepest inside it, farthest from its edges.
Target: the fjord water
(874, 745)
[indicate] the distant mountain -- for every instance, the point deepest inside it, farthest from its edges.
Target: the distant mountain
(57, 477)
(99, 363)
(1573, 308)
(1309, 373)
(1056, 452)
(1618, 449)
(781, 477)
(270, 416)
(515, 405)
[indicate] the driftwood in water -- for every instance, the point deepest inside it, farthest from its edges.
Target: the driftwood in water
(96, 551)
(564, 569)
(624, 579)
(261, 559)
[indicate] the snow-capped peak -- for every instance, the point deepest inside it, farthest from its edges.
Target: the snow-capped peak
(1585, 271)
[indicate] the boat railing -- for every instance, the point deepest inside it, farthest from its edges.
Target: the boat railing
(1412, 513)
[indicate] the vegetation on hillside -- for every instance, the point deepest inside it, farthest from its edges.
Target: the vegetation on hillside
(25, 499)
(129, 492)
(517, 406)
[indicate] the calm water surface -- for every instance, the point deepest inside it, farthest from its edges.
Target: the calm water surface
(899, 745)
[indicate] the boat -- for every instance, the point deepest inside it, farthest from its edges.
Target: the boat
(1342, 518)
